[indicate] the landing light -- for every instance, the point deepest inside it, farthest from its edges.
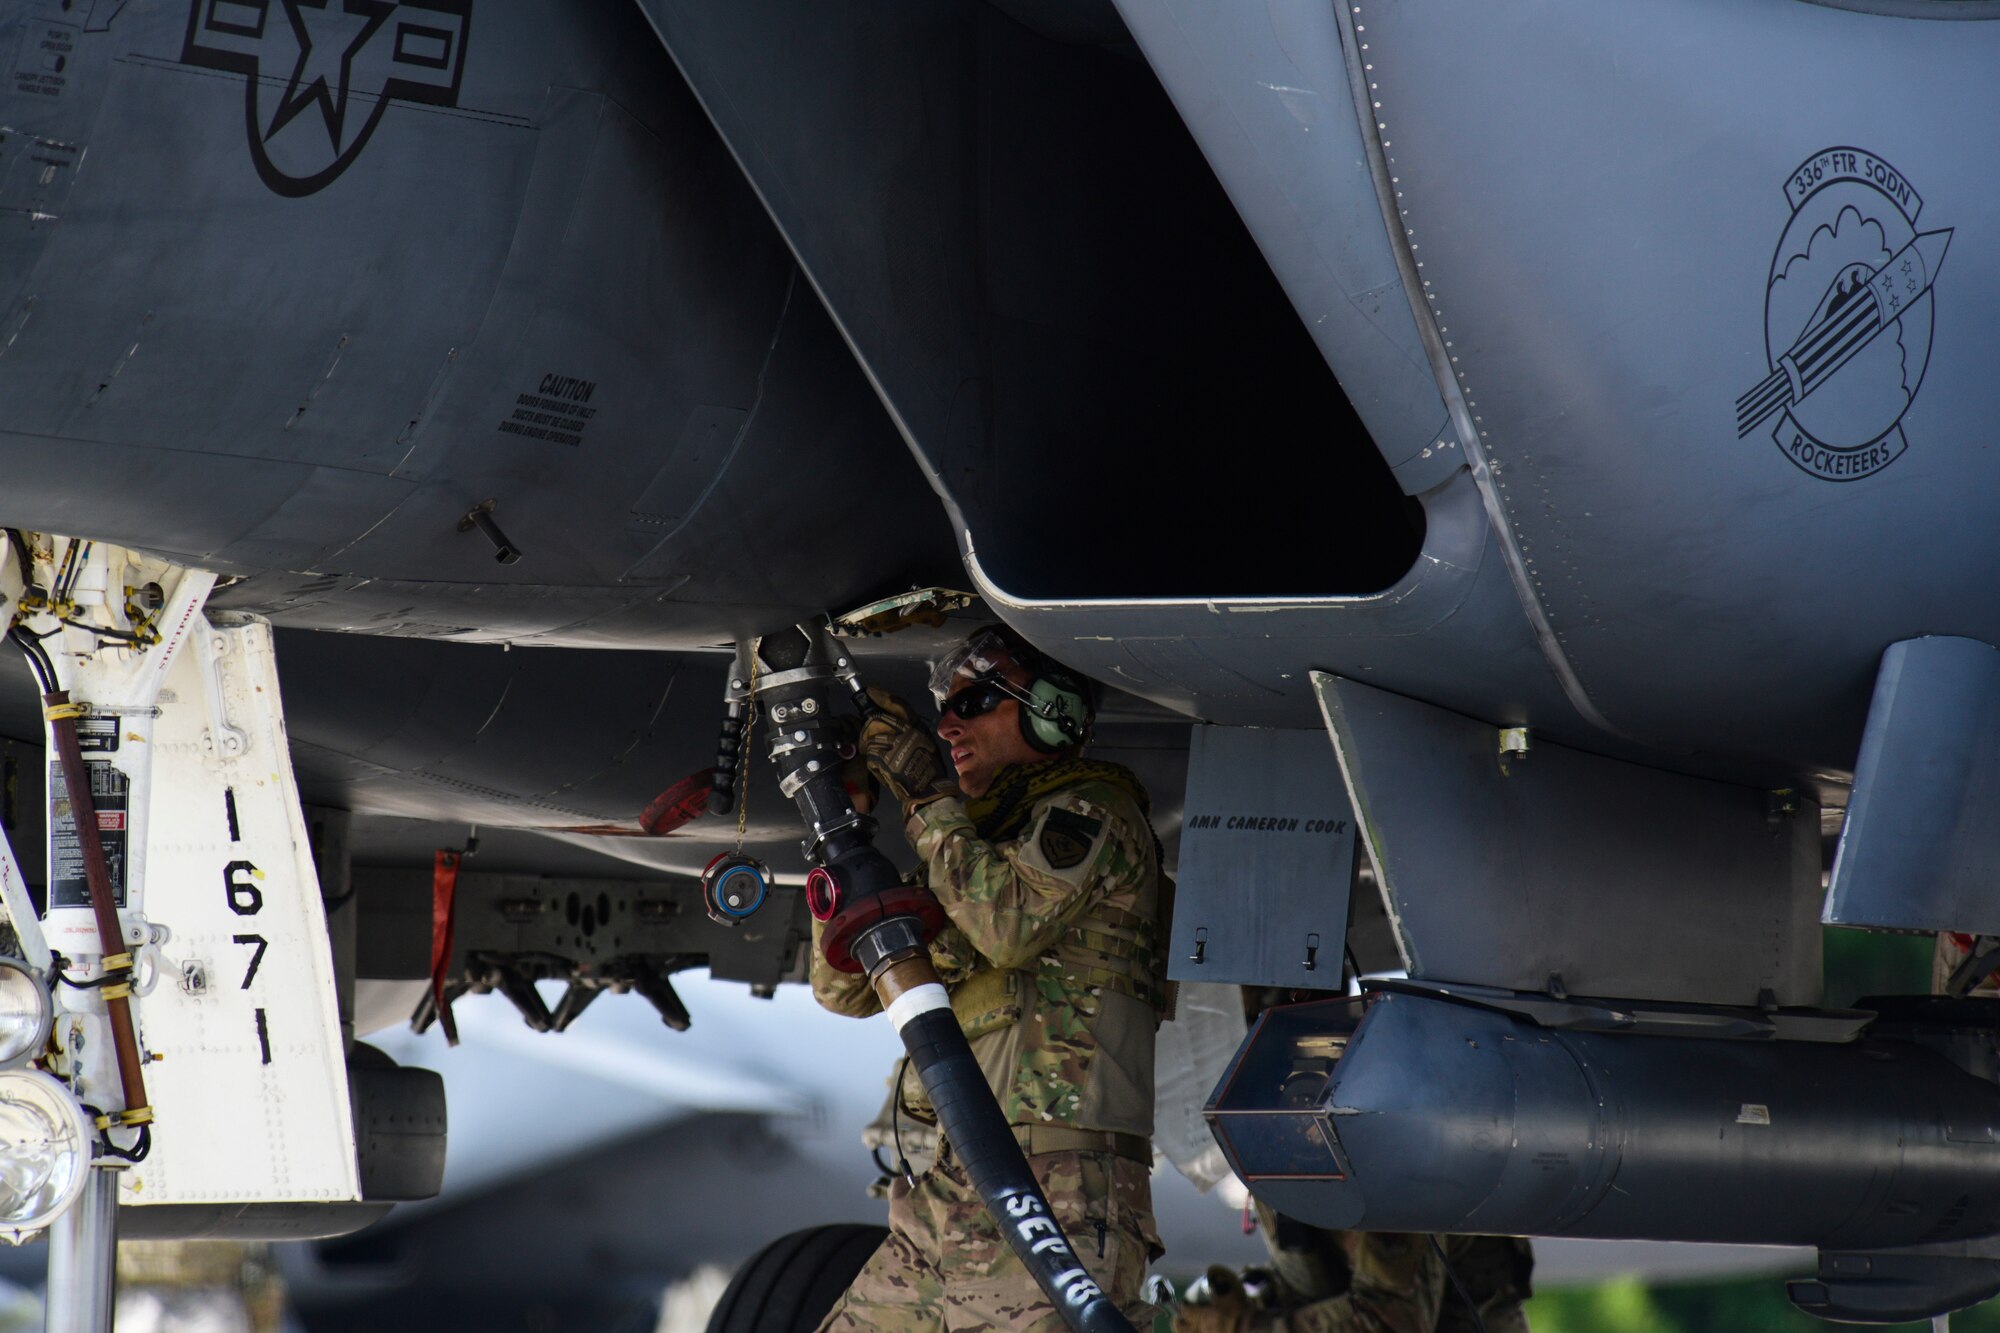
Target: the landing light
(25, 1013)
(45, 1150)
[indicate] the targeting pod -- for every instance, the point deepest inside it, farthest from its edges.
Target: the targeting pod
(1872, 1134)
(733, 887)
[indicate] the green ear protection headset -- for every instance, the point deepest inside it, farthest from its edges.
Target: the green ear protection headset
(1056, 712)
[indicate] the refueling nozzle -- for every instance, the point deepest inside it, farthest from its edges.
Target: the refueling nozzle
(796, 675)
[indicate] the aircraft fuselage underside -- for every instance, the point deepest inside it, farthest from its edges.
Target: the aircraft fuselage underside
(1533, 459)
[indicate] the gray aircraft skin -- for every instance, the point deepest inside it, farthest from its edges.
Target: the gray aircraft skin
(1402, 372)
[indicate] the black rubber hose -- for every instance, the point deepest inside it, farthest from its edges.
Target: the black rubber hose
(1969, 973)
(971, 1121)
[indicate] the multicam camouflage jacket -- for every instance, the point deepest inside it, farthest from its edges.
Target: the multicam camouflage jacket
(1053, 956)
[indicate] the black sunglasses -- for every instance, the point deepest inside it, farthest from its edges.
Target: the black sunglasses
(974, 700)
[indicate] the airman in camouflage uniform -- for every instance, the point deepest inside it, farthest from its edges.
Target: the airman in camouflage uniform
(1049, 872)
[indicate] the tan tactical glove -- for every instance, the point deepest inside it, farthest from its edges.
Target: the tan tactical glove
(1215, 1303)
(1392, 1260)
(853, 773)
(902, 755)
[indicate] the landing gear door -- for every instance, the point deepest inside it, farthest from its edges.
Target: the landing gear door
(241, 1023)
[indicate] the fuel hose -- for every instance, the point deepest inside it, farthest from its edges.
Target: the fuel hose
(878, 925)
(970, 1120)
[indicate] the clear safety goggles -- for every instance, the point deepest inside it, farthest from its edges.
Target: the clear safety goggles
(982, 658)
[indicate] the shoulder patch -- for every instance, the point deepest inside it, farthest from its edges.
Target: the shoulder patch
(1067, 838)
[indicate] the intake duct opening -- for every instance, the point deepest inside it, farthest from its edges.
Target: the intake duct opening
(1161, 423)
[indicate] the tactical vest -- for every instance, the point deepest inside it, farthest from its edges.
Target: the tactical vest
(1112, 962)
(1108, 948)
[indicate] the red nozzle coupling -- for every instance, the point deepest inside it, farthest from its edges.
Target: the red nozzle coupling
(822, 894)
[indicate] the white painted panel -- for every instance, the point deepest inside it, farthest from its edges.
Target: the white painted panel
(250, 1090)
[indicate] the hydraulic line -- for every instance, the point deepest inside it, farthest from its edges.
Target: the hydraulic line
(62, 715)
(881, 926)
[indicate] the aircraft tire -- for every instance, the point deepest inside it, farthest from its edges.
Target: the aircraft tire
(790, 1284)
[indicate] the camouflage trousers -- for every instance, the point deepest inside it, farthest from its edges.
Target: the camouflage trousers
(1396, 1286)
(1400, 1286)
(945, 1265)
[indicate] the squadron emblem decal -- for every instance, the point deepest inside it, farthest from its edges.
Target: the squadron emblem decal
(1847, 317)
(322, 72)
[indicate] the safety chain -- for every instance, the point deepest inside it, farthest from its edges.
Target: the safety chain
(743, 754)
